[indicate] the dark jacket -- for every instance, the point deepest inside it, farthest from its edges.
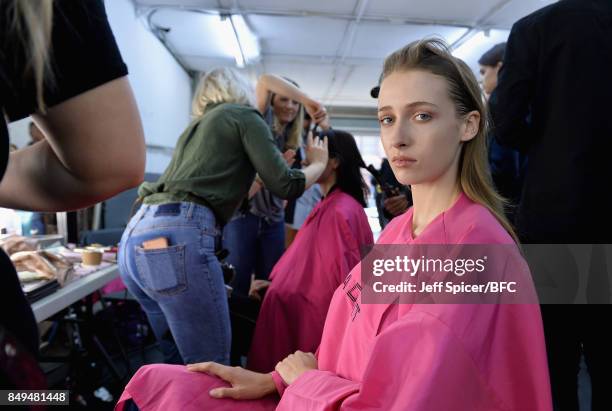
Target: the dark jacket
(554, 100)
(507, 169)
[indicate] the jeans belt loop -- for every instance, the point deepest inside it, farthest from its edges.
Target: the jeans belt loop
(190, 210)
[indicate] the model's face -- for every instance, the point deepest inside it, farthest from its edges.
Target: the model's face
(489, 77)
(285, 109)
(420, 130)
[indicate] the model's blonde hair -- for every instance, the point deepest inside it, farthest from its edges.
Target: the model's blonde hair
(222, 85)
(434, 56)
(30, 25)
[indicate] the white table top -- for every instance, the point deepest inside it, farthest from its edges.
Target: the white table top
(73, 292)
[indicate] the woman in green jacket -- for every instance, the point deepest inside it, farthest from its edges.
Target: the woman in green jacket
(167, 253)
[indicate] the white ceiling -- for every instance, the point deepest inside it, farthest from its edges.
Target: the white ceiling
(333, 49)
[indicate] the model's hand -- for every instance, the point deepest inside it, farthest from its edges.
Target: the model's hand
(246, 385)
(289, 157)
(295, 365)
(256, 287)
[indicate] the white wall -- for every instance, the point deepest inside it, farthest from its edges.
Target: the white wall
(19, 132)
(161, 86)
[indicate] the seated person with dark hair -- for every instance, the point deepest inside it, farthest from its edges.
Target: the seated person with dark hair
(507, 164)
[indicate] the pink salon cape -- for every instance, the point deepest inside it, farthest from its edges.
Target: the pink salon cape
(397, 357)
(324, 251)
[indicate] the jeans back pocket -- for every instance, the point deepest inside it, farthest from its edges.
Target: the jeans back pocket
(162, 270)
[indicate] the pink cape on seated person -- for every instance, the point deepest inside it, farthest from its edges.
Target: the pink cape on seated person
(324, 251)
(397, 357)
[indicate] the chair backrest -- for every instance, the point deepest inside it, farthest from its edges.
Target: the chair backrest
(117, 209)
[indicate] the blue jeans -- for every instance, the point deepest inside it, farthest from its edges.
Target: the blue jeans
(180, 287)
(255, 245)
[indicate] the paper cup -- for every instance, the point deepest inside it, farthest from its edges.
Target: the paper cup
(91, 257)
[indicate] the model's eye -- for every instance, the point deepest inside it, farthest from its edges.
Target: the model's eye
(386, 120)
(423, 117)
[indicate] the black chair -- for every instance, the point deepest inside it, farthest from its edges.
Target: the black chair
(116, 212)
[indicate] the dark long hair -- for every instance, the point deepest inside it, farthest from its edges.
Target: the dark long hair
(343, 147)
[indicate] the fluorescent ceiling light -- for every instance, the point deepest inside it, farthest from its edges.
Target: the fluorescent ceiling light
(230, 40)
(246, 39)
(239, 40)
(476, 45)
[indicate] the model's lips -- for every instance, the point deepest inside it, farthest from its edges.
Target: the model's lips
(402, 161)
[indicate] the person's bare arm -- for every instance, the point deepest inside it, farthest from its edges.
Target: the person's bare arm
(94, 149)
(269, 83)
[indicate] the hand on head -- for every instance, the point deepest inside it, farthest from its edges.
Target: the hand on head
(316, 150)
(316, 111)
